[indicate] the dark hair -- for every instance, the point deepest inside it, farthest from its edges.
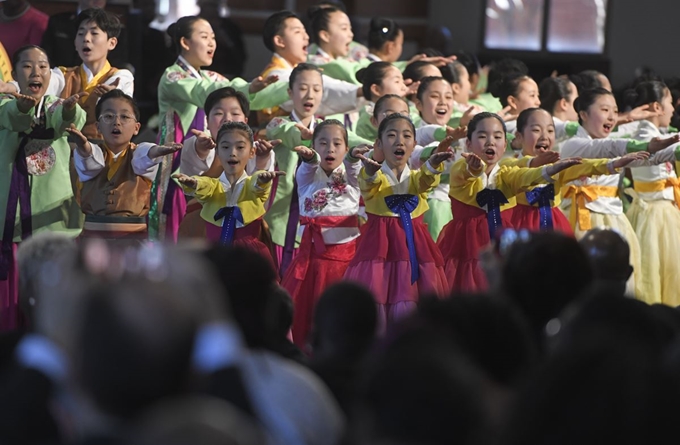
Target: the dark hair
(230, 127)
(425, 84)
(129, 363)
(469, 61)
(553, 90)
(17, 54)
(250, 299)
(646, 93)
(372, 75)
(223, 93)
(346, 317)
(491, 331)
(320, 20)
(587, 98)
(452, 72)
(472, 126)
(182, 28)
(106, 21)
(391, 118)
(381, 31)
(523, 118)
(536, 265)
(274, 25)
(586, 80)
(300, 68)
(415, 70)
(501, 71)
(116, 94)
(506, 86)
(330, 123)
(326, 4)
(379, 103)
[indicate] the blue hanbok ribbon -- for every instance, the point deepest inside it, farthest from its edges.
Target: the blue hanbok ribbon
(543, 196)
(403, 205)
(230, 215)
(492, 199)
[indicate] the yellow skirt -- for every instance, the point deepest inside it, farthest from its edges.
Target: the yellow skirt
(621, 224)
(657, 225)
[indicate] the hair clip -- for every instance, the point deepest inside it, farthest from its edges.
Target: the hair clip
(385, 29)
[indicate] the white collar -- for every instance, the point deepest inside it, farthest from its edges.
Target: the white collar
(372, 57)
(294, 117)
(192, 70)
(583, 133)
(392, 178)
(284, 60)
(227, 185)
(323, 53)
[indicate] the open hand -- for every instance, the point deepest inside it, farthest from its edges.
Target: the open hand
(25, 103)
(70, 103)
(259, 83)
(370, 165)
(508, 114)
(266, 177)
(545, 158)
(204, 142)
(445, 145)
(305, 133)
(411, 87)
(658, 144)
(473, 161)
(562, 165)
(183, 179)
(456, 133)
(438, 158)
(636, 114)
(103, 88)
(264, 147)
(630, 157)
(82, 144)
(161, 150)
(468, 115)
(360, 150)
(305, 153)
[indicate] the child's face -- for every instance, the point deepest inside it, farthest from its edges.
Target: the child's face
(293, 41)
(398, 141)
(666, 109)
(32, 73)
(307, 93)
(488, 141)
(234, 150)
(200, 48)
(117, 122)
(331, 146)
(226, 110)
(462, 89)
(527, 96)
(92, 43)
(436, 104)
(392, 83)
(601, 116)
(390, 106)
(539, 134)
(339, 35)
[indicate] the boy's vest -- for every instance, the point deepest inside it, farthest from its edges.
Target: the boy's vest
(116, 190)
(76, 82)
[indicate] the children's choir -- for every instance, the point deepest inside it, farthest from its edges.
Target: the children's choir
(441, 166)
